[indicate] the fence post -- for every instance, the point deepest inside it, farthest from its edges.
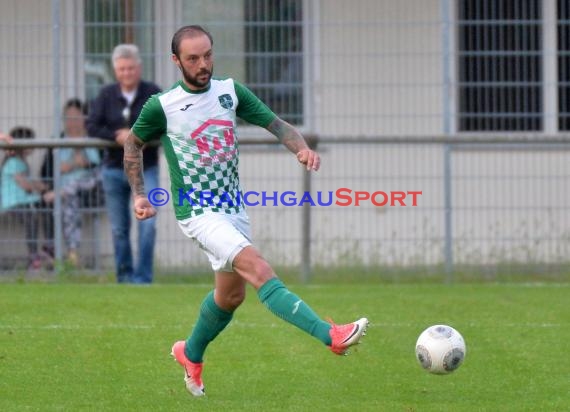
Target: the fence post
(446, 47)
(56, 55)
(448, 213)
(306, 267)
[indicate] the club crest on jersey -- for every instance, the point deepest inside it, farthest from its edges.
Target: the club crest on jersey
(226, 101)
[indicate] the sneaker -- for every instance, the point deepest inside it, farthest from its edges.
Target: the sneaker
(192, 371)
(345, 336)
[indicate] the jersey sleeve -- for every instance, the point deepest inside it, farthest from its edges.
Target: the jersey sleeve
(151, 123)
(251, 109)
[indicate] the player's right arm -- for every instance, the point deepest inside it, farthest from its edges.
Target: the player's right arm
(133, 164)
(150, 125)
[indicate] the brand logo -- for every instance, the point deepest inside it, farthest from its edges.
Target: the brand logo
(226, 101)
(296, 306)
(186, 107)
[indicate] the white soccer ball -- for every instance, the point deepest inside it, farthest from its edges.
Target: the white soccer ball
(440, 349)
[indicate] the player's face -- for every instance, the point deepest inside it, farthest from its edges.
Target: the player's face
(128, 73)
(196, 61)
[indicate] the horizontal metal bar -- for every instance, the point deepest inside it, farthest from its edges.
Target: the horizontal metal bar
(95, 142)
(532, 139)
(472, 138)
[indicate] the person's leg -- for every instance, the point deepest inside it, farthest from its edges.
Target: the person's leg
(48, 227)
(216, 313)
(71, 226)
(282, 302)
(146, 236)
(117, 200)
(29, 217)
(220, 240)
(251, 266)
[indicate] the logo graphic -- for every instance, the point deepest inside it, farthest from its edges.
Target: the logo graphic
(226, 101)
(186, 107)
(296, 306)
(224, 129)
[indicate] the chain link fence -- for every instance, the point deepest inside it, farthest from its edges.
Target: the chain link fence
(464, 101)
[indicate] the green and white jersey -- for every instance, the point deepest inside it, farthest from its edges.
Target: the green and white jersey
(199, 137)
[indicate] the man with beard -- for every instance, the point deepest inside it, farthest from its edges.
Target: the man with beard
(111, 116)
(196, 123)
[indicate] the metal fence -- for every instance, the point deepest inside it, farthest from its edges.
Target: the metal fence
(393, 90)
(384, 205)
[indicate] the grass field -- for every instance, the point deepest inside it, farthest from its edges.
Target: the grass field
(74, 347)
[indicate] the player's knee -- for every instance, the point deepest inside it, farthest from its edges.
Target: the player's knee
(236, 298)
(253, 267)
(261, 272)
(231, 300)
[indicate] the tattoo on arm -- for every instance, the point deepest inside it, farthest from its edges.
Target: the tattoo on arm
(133, 164)
(287, 135)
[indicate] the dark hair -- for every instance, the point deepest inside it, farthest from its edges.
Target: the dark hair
(18, 132)
(76, 103)
(22, 132)
(188, 31)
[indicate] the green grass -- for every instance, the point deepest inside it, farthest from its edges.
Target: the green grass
(75, 347)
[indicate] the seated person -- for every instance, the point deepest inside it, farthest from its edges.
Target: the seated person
(20, 194)
(79, 172)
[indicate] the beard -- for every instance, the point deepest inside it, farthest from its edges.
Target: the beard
(193, 80)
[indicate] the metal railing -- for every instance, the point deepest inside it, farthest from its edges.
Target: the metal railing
(501, 200)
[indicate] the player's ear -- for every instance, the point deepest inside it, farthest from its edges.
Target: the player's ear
(175, 60)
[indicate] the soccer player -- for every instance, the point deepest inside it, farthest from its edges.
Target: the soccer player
(196, 123)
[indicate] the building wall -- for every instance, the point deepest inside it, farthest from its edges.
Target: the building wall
(380, 68)
(373, 67)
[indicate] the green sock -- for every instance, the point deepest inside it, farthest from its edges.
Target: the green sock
(211, 321)
(292, 309)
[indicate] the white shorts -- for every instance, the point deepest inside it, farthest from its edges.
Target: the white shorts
(222, 236)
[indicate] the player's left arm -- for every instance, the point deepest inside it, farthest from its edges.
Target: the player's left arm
(292, 139)
(133, 164)
(253, 110)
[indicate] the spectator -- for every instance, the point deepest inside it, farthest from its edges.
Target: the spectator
(111, 116)
(79, 173)
(21, 193)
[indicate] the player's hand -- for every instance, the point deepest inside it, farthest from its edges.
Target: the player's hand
(143, 208)
(309, 158)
